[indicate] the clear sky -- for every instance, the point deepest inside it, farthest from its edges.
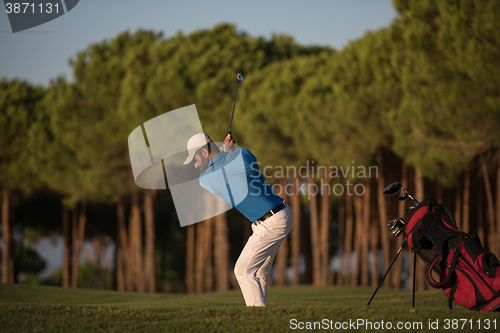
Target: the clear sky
(42, 52)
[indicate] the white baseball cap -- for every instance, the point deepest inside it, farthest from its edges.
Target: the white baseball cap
(196, 142)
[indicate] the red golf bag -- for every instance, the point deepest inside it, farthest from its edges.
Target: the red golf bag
(465, 271)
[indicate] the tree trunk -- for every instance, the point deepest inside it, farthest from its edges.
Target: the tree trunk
(198, 284)
(282, 262)
(364, 232)
(124, 273)
(306, 250)
(421, 283)
(359, 270)
(82, 221)
(247, 232)
(295, 233)
(466, 203)
(439, 193)
(209, 268)
(12, 252)
(190, 258)
(397, 268)
(496, 249)
(79, 220)
(149, 226)
(66, 248)
(315, 245)
(374, 237)
(221, 253)
(482, 230)
(421, 271)
(199, 258)
(7, 239)
(404, 181)
(341, 243)
(419, 185)
(349, 223)
(372, 229)
(282, 255)
(120, 260)
(135, 239)
(489, 199)
(382, 216)
(120, 271)
(75, 252)
(325, 231)
(458, 209)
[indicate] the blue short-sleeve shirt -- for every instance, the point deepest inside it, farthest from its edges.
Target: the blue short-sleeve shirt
(236, 178)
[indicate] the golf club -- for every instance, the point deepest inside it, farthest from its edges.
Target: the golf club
(239, 77)
(394, 188)
(410, 209)
(396, 226)
(405, 196)
(394, 223)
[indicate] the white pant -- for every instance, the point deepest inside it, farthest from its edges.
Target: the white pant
(254, 264)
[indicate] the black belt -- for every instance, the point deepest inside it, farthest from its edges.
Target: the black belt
(271, 212)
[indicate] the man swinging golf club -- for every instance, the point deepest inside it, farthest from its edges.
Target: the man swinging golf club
(234, 175)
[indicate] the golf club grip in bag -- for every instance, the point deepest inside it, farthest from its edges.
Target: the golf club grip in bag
(468, 274)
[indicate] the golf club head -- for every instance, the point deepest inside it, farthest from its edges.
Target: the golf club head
(397, 232)
(395, 224)
(407, 195)
(392, 189)
(410, 209)
(403, 197)
(392, 224)
(239, 77)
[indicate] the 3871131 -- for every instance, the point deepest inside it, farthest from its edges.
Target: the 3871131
(460, 324)
(26, 8)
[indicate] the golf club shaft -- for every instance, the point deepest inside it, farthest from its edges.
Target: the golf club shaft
(412, 198)
(234, 106)
(409, 195)
(390, 266)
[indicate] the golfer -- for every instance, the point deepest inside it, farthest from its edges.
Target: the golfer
(234, 175)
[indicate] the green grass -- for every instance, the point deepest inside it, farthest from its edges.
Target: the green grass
(51, 309)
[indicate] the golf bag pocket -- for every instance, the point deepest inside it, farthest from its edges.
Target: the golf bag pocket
(475, 276)
(491, 266)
